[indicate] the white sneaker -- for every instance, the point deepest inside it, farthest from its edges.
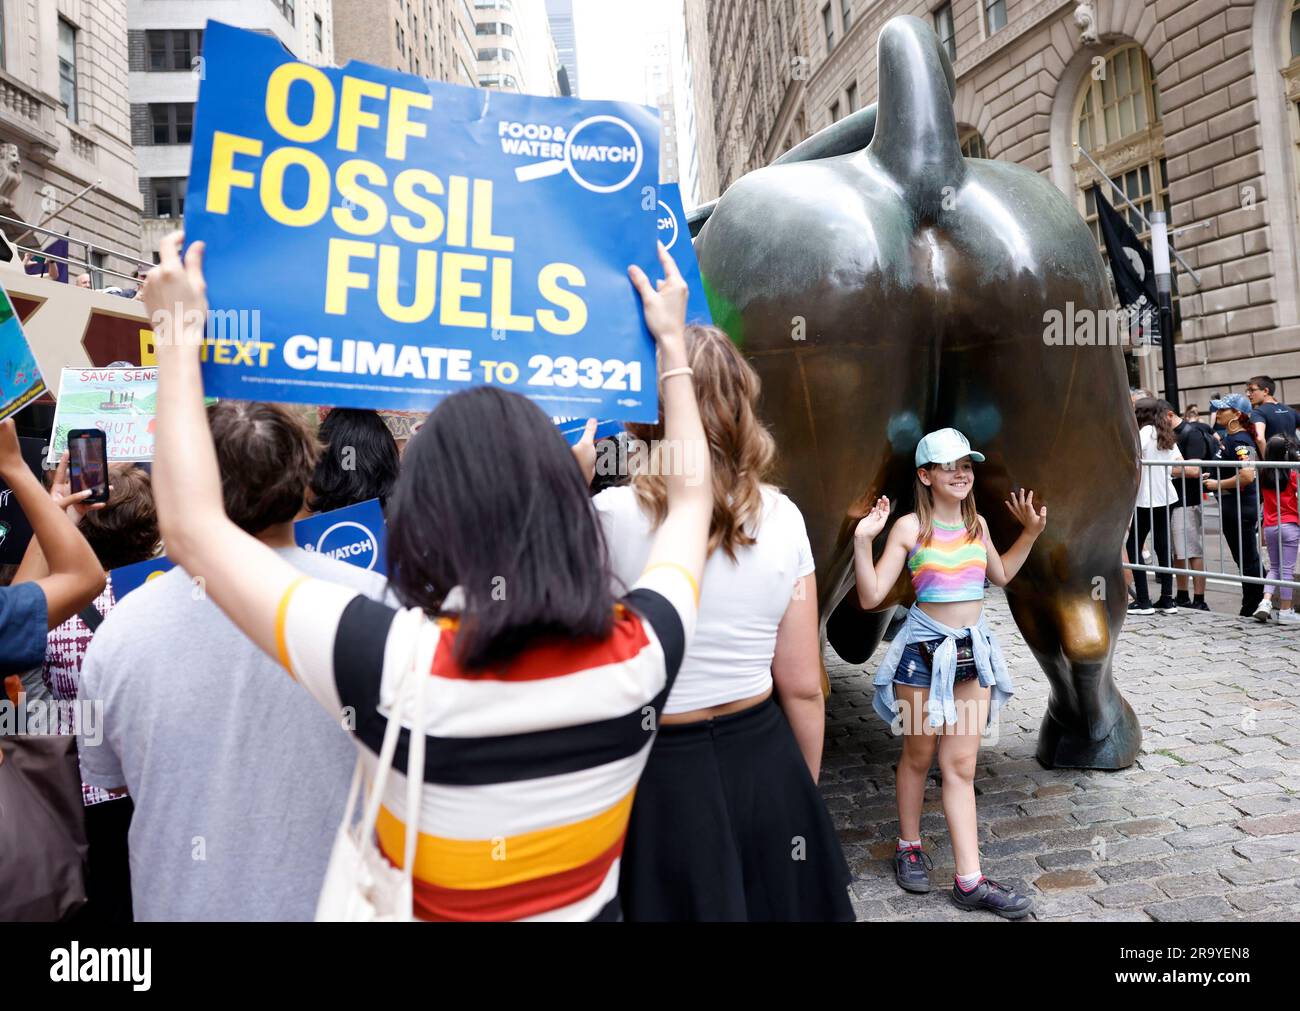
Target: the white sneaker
(1288, 617)
(1265, 611)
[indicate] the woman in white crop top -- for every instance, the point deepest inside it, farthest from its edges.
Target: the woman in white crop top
(739, 749)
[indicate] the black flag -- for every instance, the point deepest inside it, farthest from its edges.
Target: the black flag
(1131, 266)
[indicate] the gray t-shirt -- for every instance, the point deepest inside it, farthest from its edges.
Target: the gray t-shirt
(237, 774)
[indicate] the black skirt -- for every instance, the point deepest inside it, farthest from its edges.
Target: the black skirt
(728, 825)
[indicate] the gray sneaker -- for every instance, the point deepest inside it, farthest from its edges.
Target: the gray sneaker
(996, 898)
(912, 868)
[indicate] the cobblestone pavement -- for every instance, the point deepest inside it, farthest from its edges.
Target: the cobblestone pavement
(1204, 826)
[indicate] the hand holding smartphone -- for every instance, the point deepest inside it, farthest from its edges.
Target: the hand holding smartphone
(88, 463)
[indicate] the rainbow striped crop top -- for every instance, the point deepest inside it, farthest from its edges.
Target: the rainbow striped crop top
(950, 568)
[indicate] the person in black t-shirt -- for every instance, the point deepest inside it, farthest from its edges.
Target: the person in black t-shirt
(1187, 525)
(1268, 418)
(1238, 508)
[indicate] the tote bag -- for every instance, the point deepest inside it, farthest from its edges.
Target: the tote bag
(42, 829)
(360, 884)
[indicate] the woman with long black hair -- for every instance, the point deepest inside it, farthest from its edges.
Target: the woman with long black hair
(359, 461)
(1156, 498)
(545, 690)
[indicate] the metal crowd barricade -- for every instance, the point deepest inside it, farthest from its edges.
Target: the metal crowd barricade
(1156, 472)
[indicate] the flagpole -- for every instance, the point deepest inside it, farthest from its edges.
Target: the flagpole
(1164, 295)
(1137, 210)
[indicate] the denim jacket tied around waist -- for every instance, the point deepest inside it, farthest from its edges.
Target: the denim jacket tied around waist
(921, 627)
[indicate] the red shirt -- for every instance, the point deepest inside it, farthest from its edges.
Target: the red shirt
(1290, 512)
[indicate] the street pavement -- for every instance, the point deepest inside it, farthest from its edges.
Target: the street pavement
(1204, 826)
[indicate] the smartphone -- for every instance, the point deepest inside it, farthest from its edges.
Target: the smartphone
(88, 463)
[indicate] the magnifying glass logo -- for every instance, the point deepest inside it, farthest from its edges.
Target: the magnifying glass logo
(668, 212)
(554, 166)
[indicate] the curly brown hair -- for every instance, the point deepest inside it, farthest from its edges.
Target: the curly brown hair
(125, 531)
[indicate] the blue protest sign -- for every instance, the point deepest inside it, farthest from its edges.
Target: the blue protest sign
(132, 577)
(354, 534)
(572, 429)
(379, 240)
(676, 236)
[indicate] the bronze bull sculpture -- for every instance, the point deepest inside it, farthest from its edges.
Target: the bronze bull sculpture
(884, 286)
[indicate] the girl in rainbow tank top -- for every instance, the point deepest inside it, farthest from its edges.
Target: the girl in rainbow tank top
(944, 663)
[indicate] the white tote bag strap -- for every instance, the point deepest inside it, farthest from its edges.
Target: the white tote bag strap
(421, 671)
(402, 668)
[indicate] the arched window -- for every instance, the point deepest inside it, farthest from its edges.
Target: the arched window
(1117, 120)
(972, 143)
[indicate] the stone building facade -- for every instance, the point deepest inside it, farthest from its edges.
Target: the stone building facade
(166, 40)
(431, 38)
(1191, 106)
(65, 124)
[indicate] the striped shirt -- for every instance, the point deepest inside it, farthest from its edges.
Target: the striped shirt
(951, 567)
(530, 768)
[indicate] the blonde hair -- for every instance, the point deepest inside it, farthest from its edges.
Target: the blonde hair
(925, 512)
(741, 448)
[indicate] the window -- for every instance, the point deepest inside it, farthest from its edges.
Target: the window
(828, 25)
(168, 197)
(944, 29)
(1118, 117)
(171, 122)
(68, 69)
(835, 112)
(286, 8)
(502, 55)
(173, 50)
(2, 33)
(1295, 29)
(498, 81)
(852, 95)
(972, 145)
(1124, 101)
(320, 33)
(494, 28)
(995, 15)
(401, 37)
(846, 14)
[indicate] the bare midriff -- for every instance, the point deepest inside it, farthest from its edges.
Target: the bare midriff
(713, 712)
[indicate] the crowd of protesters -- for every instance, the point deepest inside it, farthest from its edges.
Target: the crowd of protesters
(627, 681)
(617, 653)
(1256, 504)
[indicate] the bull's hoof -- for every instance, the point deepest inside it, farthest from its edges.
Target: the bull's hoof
(1061, 748)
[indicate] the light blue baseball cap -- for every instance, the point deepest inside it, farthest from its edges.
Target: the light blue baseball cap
(1233, 401)
(947, 445)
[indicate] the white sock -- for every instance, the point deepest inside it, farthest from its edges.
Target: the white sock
(909, 844)
(969, 881)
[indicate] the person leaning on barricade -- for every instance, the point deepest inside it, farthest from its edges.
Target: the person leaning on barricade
(549, 689)
(1187, 520)
(1156, 497)
(1281, 527)
(1234, 487)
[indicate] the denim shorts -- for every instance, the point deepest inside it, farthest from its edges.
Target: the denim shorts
(914, 669)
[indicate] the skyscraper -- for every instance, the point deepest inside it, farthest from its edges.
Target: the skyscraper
(164, 43)
(560, 14)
